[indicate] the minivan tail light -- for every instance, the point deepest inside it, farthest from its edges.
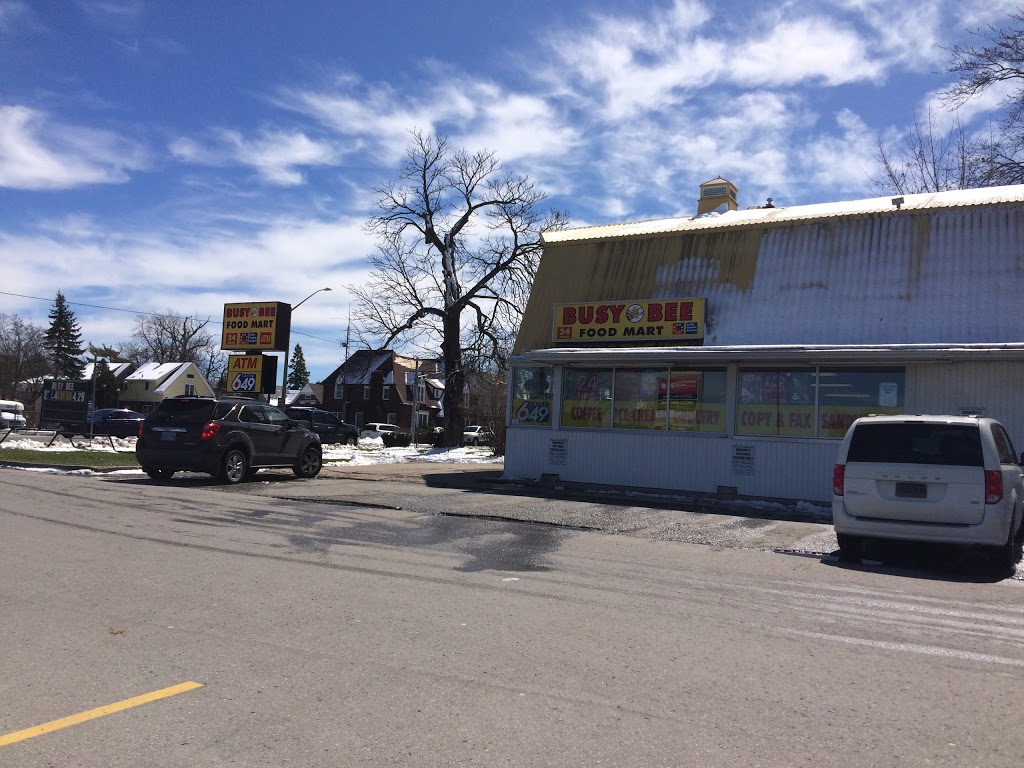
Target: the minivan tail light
(210, 429)
(140, 429)
(993, 486)
(838, 479)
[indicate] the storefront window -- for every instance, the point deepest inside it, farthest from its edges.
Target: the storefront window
(531, 396)
(782, 403)
(638, 400)
(845, 395)
(776, 403)
(587, 398)
(696, 400)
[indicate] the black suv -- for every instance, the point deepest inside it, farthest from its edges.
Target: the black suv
(229, 439)
(330, 428)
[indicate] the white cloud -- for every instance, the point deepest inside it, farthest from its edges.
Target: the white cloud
(13, 14)
(809, 50)
(845, 161)
(978, 16)
(37, 152)
(275, 155)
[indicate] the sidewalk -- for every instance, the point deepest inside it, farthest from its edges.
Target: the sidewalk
(480, 490)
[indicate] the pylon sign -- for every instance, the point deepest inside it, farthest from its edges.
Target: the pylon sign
(251, 374)
(256, 326)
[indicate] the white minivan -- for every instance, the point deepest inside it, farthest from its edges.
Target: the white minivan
(953, 479)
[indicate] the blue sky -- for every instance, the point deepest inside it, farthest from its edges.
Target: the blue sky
(176, 156)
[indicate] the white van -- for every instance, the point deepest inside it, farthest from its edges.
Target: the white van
(953, 479)
(12, 414)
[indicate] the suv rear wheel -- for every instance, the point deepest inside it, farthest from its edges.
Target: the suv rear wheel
(309, 462)
(159, 474)
(234, 466)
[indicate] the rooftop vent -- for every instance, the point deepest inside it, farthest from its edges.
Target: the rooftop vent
(717, 195)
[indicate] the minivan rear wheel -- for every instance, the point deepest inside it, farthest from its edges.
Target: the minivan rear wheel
(850, 548)
(234, 466)
(1004, 557)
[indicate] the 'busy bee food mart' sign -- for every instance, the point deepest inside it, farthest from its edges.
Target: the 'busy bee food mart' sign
(638, 321)
(256, 326)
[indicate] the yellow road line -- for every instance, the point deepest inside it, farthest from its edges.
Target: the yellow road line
(81, 717)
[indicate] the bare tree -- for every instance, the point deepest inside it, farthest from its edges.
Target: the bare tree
(457, 236)
(928, 160)
(23, 359)
(168, 338)
(997, 59)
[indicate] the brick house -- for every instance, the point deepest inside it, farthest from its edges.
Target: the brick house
(379, 386)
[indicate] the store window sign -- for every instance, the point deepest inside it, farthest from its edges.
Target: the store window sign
(888, 394)
(531, 396)
(637, 321)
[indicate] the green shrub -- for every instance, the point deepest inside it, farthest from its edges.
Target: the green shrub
(396, 439)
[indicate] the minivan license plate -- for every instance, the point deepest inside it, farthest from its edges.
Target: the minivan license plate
(912, 490)
(167, 435)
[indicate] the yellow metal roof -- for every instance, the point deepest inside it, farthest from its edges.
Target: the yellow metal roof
(798, 213)
(859, 272)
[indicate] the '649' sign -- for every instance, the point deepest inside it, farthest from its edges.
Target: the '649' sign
(251, 374)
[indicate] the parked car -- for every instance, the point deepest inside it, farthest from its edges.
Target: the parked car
(477, 435)
(12, 415)
(953, 479)
(376, 429)
(227, 438)
(330, 428)
(113, 422)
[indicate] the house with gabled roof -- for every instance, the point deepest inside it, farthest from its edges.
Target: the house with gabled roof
(153, 382)
(728, 352)
(119, 371)
(383, 386)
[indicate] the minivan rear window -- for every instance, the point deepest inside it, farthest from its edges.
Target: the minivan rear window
(948, 444)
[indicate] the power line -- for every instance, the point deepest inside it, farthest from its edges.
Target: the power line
(150, 314)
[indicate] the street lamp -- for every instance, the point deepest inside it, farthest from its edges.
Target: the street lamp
(283, 401)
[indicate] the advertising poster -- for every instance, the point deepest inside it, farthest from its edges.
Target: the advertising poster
(776, 403)
(638, 404)
(531, 397)
(587, 399)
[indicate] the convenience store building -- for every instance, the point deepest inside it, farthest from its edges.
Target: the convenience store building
(727, 353)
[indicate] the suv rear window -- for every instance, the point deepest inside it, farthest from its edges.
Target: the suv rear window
(174, 411)
(949, 444)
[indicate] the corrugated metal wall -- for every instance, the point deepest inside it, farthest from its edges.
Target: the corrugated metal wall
(900, 277)
(779, 469)
(996, 387)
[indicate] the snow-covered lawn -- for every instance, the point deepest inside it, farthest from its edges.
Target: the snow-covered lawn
(369, 450)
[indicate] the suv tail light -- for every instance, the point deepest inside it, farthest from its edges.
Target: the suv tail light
(993, 486)
(838, 479)
(210, 429)
(140, 429)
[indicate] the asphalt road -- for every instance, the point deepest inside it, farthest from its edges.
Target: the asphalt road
(326, 627)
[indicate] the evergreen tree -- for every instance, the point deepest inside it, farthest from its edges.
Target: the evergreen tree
(298, 376)
(107, 392)
(64, 341)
